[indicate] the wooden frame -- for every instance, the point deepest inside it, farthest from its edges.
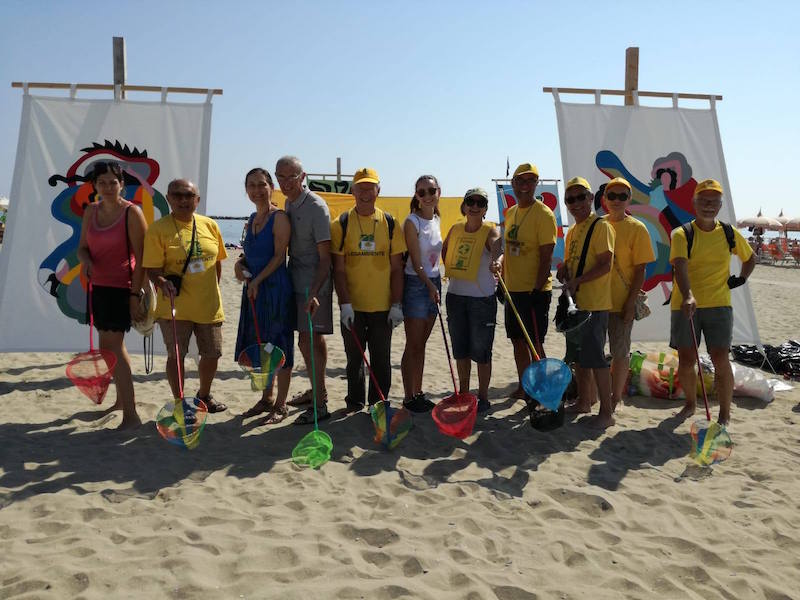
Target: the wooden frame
(110, 87)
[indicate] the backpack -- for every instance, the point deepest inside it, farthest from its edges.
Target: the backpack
(688, 231)
(345, 217)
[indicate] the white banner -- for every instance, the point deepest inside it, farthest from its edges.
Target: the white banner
(663, 153)
(42, 294)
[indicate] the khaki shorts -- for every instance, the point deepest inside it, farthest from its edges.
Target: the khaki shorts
(619, 336)
(716, 324)
(322, 321)
(207, 335)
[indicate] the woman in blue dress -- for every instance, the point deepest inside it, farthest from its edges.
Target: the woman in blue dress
(263, 269)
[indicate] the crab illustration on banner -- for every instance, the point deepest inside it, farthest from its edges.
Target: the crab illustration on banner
(548, 194)
(60, 272)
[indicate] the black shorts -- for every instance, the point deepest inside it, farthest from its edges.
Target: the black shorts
(111, 308)
(527, 305)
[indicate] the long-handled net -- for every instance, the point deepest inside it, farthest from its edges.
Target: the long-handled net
(91, 372)
(455, 415)
(545, 379)
(260, 361)
(711, 442)
(391, 423)
(315, 448)
(181, 421)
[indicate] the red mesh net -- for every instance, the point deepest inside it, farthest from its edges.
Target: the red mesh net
(455, 415)
(91, 372)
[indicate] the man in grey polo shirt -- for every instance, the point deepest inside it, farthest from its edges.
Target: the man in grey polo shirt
(310, 269)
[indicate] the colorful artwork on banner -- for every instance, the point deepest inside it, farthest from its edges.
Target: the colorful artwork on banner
(547, 193)
(60, 273)
(662, 204)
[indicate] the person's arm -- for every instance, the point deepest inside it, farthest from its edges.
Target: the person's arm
(494, 244)
(412, 245)
(680, 267)
(545, 257)
(340, 279)
(137, 227)
(445, 243)
(601, 266)
(747, 267)
(320, 276)
(396, 278)
(84, 256)
(636, 284)
(281, 232)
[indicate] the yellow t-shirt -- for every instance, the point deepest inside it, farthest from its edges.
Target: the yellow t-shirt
(526, 229)
(166, 246)
(632, 247)
(595, 294)
(367, 249)
(709, 266)
(464, 251)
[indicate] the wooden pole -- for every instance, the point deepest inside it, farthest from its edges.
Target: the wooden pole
(631, 73)
(120, 70)
(338, 168)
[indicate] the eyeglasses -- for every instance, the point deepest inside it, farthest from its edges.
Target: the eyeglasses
(478, 201)
(431, 191)
(621, 196)
(288, 177)
(573, 199)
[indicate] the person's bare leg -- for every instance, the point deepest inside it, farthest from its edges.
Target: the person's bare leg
(605, 418)
(723, 375)
(279, 412)
(586, 391)
(484, 376)
(206, 369)
(688, 379)
(413, 362)
(522, 358)
(464, 369)
(123, 379)
(619, 375)
(172, 375)
(320, 364)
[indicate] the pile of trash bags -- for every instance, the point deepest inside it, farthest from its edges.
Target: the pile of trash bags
(782, 360)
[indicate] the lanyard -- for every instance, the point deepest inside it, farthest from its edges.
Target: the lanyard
(191, 243)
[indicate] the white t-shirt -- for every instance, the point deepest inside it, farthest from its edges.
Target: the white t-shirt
(429, 236)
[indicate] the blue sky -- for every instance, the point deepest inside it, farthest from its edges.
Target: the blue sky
(412, 87)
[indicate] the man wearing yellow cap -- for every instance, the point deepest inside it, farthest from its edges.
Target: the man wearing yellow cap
(529, 238)
(632, 251)
(591, 289)
(702, 293)
(368, 277)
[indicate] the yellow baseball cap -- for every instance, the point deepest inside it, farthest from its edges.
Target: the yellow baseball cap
(366, 175)
(619, 181)
(578, 181)
(526, 168)
(706, 185)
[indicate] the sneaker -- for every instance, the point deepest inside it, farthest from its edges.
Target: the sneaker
(483, 405)
(419, 403)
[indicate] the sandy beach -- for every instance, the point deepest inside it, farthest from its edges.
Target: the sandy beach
(509, 513)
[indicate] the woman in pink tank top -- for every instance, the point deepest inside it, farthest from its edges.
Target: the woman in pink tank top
(110, 251)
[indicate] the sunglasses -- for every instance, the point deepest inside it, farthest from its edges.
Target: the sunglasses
(431, 191)
(478, 201)
(621, 196)
(573, 199)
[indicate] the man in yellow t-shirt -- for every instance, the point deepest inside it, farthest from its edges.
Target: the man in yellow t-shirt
(592, 291)
(180, 239)
(368, 277)
(632, 251)
(702, 293)
(529, 236)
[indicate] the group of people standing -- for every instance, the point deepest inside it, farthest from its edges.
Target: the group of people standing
(386, 273)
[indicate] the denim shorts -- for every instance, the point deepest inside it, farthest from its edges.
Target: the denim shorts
(417, 303)
(471, 322)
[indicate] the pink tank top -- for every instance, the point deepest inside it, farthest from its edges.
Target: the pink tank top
(108, 247)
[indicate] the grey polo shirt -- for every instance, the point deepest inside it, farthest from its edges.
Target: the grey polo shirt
(311, 224)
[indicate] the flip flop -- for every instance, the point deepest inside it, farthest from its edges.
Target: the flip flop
(307, 417)
(301, 399)
(276, 415)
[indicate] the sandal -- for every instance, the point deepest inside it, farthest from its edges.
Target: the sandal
(212, 405)
(307, 417)
(301, 399)
(275, 416)
(262, 406)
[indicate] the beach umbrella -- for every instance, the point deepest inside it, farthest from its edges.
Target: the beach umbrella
(792, 224)
(761, 221)
(782, 219)
(455, 415)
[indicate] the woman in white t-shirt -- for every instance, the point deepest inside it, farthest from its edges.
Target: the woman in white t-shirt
(422, 286)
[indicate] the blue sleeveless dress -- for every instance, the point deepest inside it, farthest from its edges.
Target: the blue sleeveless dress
(275, 303)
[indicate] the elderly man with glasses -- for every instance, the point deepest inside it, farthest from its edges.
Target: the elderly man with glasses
(529, 238)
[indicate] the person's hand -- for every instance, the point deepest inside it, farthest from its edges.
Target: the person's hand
(561, 272)
(252, 289)
(87, 269)
(395, 315)
(167, 288)
(495, 267)
(735, 281)
(136, 308)
(312, 305)
(239, 271)
(689, 306)
(628, 310)
(347, 315)
(433, 293)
